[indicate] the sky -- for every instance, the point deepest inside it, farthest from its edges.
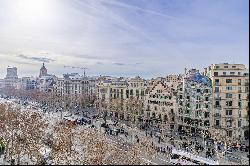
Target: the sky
(149, 38)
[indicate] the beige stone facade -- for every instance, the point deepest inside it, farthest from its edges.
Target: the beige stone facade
(122, 96)
(160, 106)
(230, 99)
(76, 87)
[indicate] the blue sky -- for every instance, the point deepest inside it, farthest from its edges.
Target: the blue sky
(149, 38)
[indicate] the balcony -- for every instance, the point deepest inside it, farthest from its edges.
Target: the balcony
(217, 115)
(217, 106)
(229, 116)
(217, 98)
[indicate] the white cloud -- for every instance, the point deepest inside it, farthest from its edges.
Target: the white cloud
(97, 34)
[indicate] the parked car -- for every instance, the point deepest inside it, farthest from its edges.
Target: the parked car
(233, 159)
(86, 120)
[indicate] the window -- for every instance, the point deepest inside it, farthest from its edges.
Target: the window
(217, 122)
(229, 112)
(229, 123)
(239, 123)
(224, 73)
(127, 93)
(226, 67)
(229, 133)
(217, 103)
(239, 104)
(217, 81)
(131, 92)
(229, 88)
(142, 93)
(239, 81)
(228, 80)
(215, 73)
(233, 66)
(239, 89)
(239, 73)
(206, 115)
(206, 98)
(229, 103)
(217, 67)
(229, 95)
(247, 89)
(232, 73)
(217, 89)
(137, 92)
(198, 90)
(239, 96)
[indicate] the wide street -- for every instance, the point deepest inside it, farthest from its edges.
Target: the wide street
(130, 134)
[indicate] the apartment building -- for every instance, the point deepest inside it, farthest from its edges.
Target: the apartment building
(174, 78)
(76, 87)
(123, 94)
(194, 97)
(46, 83)
(230, 99)
(29, 83)
(11, 78)
(2, 84)
(160, 105)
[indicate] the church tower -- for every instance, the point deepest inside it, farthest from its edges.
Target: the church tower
(43, 71)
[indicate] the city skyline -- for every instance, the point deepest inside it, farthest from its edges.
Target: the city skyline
(76, 70)
(146, 38)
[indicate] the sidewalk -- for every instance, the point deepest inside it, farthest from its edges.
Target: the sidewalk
(2, 162)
